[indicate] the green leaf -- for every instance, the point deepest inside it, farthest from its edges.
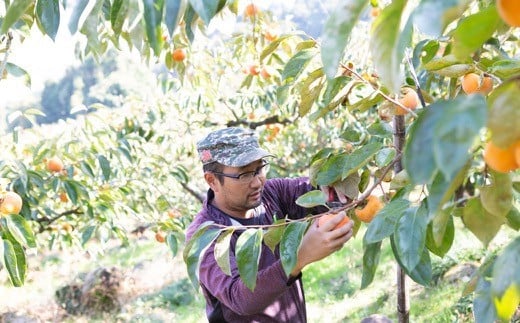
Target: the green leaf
(443, 62)
(248, 251)
(87, 234)
(455, 131)
(269, 49)
(440, 233)
(383, 225)
(339, 167)
(505, 68)
(480, 222)
(15, 10)
(387, 44)
(442, 190)
(418, 161)
(17, 71)
(172, 243)
(152, 17)
(309, 91)
(334, 86)
(497, 198)
(336, 33)
(222, 251)
(380, 129)
(195, 249)
(90, 27)
(506, 280)
(173, 13)
(349, 186)
(296, 64)
(473, 31)
(77, 12)
(312, 198)
(21, 230)
(86, 169)
(513, 219)
(291, 240)
(410, 236)
(118, 13)
(105, 167)
(72, 193)
(190, 16)
(206, 9)
(48, 16)
(371, 254)
(366, 102)
(422, 273)
(14, 261)
(385, 156)
(504, 113)
(273, 236)
(432, 16)
(483, 307)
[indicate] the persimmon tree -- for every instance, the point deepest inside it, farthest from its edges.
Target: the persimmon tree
(432, 153)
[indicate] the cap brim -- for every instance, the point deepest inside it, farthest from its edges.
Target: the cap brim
(249, 157)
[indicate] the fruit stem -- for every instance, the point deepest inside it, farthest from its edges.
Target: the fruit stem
(415, 78)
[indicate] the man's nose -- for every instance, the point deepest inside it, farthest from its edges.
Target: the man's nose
(257, 181)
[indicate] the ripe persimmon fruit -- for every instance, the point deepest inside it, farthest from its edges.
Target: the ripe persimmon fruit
(178, 55)
(270, 36)
(251, 10)
(67, 227)
(253, 70)
(517, 153)
(472, 83)
(10, 203)
(160, 237)
(410, 100)
(501, 159)
(63, 197)
(326, 217)
(54, 164)
(375, 11)
(174, 213)
(369, 211)
(265, 73)
(509, 11)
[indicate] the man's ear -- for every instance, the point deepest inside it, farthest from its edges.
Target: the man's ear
(212, 180)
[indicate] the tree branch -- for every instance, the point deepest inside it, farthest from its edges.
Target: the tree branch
(3, 65)
(199, 196)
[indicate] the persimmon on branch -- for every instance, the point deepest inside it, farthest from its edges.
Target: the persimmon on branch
(377, 89)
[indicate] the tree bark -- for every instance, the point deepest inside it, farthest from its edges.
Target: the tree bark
(403, 302)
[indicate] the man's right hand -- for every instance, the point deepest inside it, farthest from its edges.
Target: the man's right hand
(321, 241)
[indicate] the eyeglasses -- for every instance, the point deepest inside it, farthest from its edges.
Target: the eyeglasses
(247, 177)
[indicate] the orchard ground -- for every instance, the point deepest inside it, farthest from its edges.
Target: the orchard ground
(155, 287)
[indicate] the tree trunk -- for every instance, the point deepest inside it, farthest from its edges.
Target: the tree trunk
(403, 302)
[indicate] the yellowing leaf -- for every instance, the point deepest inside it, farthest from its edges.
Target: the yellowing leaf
(507, 304)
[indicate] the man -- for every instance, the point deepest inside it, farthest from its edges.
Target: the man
(235, 169)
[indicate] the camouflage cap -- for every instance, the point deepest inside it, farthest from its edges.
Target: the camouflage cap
(235, 147)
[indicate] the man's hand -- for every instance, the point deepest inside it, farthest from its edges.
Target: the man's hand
(321, 241)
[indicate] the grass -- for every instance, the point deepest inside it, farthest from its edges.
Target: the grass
(161, 291)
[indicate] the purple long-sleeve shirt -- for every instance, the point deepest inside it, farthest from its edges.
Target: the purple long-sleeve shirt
(275, 298)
